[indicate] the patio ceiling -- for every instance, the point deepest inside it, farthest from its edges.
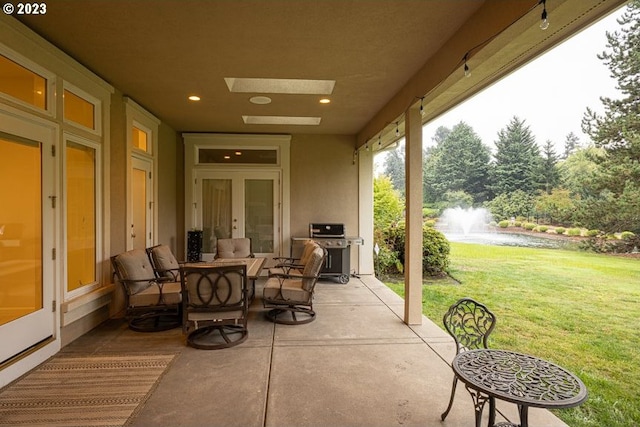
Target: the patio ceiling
(382, 55)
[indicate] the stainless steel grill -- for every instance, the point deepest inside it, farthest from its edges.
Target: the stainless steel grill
(338, 245)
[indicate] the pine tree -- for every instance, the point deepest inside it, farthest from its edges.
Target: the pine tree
(571, 144)
(517, 160)
(459, 163)
(613, 204)
(550, 172)
(394, 168)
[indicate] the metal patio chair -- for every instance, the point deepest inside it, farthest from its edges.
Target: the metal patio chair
(469, 323)
(290, 297)
(237, 247)
(152, 303)
(215, 301)
(164, 262)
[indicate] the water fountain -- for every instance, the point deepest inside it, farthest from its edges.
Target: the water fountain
(471, 225)
(464, 221)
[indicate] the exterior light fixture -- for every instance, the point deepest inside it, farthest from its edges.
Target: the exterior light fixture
(467, 71)
(544, 23)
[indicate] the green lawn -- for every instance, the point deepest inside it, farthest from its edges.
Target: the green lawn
(579, 310)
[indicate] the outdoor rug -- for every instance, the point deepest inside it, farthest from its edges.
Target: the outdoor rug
(82, 391)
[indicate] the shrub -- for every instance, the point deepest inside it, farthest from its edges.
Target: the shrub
(529, 226)
(517, 224)
(592, 233)
(435, 250)
(430, 223)
(542, 228)
(626, 235)
(574, 232)
(560, 230)
(503, 224)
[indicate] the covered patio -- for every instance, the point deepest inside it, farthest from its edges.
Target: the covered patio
(358, 364)
(106, 87)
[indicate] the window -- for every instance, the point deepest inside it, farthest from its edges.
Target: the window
(23, 84)
(140, 137)
(81, 209)
(237, 156)
(79, 110)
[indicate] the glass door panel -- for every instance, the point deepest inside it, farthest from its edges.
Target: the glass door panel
(259, 214)
(20, 231)
(238, 204)
(216, 212)
(25, 304)
(141, 191)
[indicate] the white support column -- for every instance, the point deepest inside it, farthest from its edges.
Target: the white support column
(413, 205)
(364, 160)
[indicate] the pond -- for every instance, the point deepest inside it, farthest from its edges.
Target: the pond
(509, 239)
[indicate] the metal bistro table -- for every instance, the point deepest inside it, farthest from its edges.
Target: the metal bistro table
(518, 378)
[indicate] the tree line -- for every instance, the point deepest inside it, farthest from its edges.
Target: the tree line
(593, 184)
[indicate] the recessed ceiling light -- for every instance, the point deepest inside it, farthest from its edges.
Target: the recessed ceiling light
(281, 120)
(325, 101)
(288, 86)
(194, 98)
(227, 157)
(260, 100)
(238, 153)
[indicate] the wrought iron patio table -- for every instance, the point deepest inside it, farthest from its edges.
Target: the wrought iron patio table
(522, 379)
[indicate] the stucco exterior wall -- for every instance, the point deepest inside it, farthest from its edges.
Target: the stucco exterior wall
(324, 184)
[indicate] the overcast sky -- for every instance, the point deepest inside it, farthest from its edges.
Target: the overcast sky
(551, 93)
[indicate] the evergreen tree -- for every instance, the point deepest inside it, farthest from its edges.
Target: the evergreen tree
(550, 172)
(517, 160)
(459, 162)
(571, 144)
(394, 168)
(613, 204)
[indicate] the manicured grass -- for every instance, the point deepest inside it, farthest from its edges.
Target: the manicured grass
(579, 310)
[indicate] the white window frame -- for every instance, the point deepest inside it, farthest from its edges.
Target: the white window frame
(67, 295)
(50, 104)
(97, 109)
(150, 151)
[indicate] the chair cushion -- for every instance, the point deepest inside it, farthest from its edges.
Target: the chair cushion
(312, 268)
(234, 248)
(164, 260)
(150, 296)
(309, 246)
(135, 265)
(291, 290)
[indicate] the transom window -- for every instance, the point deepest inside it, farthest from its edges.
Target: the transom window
(79, 110)
(237, 156)
(22, 83)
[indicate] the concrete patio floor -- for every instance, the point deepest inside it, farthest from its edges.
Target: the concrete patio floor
(357, 364)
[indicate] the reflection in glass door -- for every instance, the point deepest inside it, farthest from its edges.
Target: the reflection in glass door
(24, 318)
(259, 214)
(239, 204)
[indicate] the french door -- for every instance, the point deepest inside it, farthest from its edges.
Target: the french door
(239, 204)
(26, 241)
(141, 222)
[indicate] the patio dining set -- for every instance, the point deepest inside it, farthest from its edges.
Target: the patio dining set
(210, 300)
